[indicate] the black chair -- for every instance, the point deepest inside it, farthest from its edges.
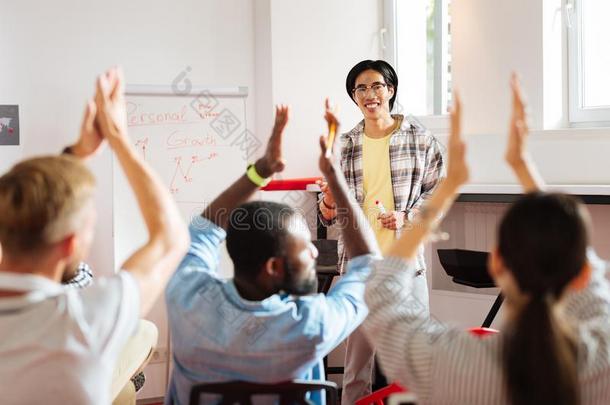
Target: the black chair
(469, 267)
(241, 392)
(327, 263)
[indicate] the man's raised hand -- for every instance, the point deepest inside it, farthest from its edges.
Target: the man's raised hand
(90, 139)
(111, 108)
(273, 162)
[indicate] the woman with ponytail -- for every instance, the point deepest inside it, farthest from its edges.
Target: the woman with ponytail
(542, 254)
(555, 345)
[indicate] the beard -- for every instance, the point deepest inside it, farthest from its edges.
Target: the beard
(291, 285)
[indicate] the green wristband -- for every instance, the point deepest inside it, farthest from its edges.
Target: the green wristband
(255, 177)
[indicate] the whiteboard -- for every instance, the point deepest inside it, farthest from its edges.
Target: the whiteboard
(197, 142)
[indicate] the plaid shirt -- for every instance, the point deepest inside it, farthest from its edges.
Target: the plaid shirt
(416, 167)
(82, 278)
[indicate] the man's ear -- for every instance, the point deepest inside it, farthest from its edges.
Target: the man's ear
(274, 268)
(67, 246)
(582, 279)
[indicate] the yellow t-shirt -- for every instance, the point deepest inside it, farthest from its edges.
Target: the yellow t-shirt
(377, 185)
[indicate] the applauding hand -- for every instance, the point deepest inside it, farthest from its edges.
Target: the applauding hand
(90, 139)
(111, 109)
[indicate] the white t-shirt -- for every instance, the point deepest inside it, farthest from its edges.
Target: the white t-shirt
(59, 345)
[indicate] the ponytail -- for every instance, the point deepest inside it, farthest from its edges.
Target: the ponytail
(540, 358)
(543, 241)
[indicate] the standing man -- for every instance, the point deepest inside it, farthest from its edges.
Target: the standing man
(392, 164)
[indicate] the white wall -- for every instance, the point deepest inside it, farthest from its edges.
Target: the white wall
(491, 38)
(9, 154)
(262, 68)
(314, 44)
(52, 52)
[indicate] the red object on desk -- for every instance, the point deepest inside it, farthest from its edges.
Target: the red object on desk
(290, 184)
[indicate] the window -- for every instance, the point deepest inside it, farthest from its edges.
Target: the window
(418, 44)
(589, 61)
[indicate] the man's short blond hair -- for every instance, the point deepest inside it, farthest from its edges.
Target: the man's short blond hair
(41, 202)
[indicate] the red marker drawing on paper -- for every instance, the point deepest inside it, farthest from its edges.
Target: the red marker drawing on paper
(380, 206)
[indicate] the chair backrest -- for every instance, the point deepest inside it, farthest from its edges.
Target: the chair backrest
(288, 392)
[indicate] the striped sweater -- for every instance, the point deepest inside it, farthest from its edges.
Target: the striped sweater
(446, 365)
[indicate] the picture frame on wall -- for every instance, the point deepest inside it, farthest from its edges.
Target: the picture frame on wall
(9, 125)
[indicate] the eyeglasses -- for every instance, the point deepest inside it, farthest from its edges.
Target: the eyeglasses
(362, 91)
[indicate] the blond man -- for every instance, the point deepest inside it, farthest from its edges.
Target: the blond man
(67, 340)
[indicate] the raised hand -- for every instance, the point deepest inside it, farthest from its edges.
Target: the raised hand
(457, 169)
(443, 195)
(517, 155)
(328, 161)
(273, 162)
(357, 235)
(516, 147)
(110, 103)
(90, 139)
